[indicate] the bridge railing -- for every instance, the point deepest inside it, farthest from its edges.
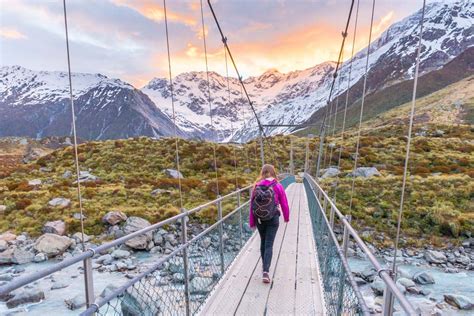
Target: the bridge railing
(177, 283)
(341, 292)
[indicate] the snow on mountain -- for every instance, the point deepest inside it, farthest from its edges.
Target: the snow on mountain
(448, 31)
(36, 104)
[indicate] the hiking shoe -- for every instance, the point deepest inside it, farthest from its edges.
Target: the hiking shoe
(266, 277)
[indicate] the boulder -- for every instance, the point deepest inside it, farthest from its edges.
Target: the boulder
(76, 302)
(433, 256)
(7, 236)
(40, 257)
(86, 176)
(78, 237)
(6, 256)
(52, 244)
(3, 208)
(22, 256)
(67, 174)
(35, 182)
(378, 287)
(54, 227)
(25, 296)
(134, 224)
(59, 285)
(109, 289)
(175, 174)
(407, 283)
(59, 202)
(120, 254)
(114, 218)
(3, 245)
(459, 301)
(6, 277)
(132, 305)
(423, 278)
(157, 192)
(106, 259)
(330, 172)
(366, 172)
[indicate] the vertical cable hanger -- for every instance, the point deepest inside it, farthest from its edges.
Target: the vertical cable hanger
(173, 108)
(364, 91)
(209, 98)
(74, 133)
(347, 99)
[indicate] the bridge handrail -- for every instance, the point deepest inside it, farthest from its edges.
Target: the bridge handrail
(89, 253)
(383, 273)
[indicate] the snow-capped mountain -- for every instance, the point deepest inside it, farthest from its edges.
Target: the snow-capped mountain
(448, 31)
(36, 104)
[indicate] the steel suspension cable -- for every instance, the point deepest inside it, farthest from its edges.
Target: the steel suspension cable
(231, 125)
(209, 98)
(410, 127)
(224, 40)
(322, 129)
(361, 115)
(74, 133)
(173, 108)
(347, 99)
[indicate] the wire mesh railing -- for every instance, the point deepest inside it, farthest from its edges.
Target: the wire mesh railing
(176, 283)
(341, 293)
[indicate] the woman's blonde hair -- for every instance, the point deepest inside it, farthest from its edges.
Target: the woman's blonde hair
(268, 171)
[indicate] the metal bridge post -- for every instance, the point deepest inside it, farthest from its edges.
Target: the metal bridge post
(345, 238)
(387, 308)
(306, 159)
(331, 217)
(292, 165)
(221, 233)
(184, 241)
(240, 221)
(262, 153)
(89, 282)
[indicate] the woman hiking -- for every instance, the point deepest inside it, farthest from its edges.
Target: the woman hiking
(268, 196)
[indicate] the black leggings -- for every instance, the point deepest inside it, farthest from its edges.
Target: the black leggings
(267, 231)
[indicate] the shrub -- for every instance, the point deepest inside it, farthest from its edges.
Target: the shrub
(22, 204)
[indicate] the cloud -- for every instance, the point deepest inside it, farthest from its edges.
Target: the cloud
(11, 33)
(383, 23)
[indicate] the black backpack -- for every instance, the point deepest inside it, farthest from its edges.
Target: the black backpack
(264, 206)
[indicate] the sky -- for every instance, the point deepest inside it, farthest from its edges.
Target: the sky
(126, 38)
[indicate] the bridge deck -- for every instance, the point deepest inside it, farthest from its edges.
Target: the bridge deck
(295, 286)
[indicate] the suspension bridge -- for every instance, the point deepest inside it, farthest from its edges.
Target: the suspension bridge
(310, 271)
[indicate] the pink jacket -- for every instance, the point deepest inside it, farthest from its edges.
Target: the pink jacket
(280, 197)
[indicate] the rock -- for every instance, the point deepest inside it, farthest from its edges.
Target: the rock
(172, 173)
(459, 301)
(135, 306)
(330, 172)
(120, 266)
(178, 277)
(45, 169)
(24, 297)
(134, 224)
(368, 274)
(6, 256)
(21, 238)
(35, 182)
(206, 242)
(464, 260)
(156, 192)
(171, 238)
(67, 174)
(423, 278)
(22, 256)
(3, 209)
(3, 245)
(78, 237)
(55, 227)
(78, 216)
(114, 218)
(378, 286)
(366, 172)
(106, 259)
(120, 254)
(360, 281)
(59, 202)
(451, 270)
(76, 302)
(52, 245)
(59, 285)
(85, 176)
(433, 256)
(40, 257)
(158, 238)
(438, 133)
(7, 236)
(407, 283)
(109, 289)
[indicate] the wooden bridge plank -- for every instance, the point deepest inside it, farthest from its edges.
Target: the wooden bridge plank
(295, 287)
